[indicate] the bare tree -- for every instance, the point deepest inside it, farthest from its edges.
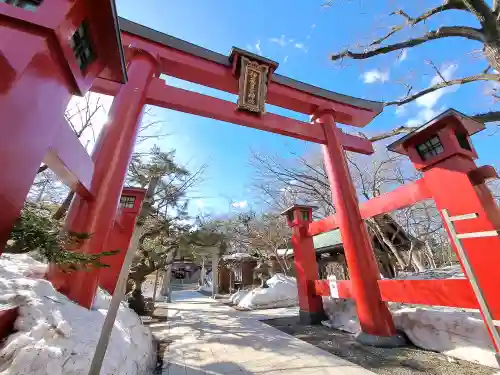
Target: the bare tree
(259, 235)
(408, 235)
(400, 37)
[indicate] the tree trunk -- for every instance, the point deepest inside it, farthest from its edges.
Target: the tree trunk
(429, 254)
(390, 245)
(136, 301)
(281, 263)
(492, 53)
(63, 208)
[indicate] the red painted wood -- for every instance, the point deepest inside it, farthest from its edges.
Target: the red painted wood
(69, 160)
(324, 225)
(208, 73)
(322, 288)
(373, 314)
(33, 97)
(8, 318)
(306, 269)
(178, 99)
(447, 292)
(119, 239)
(111, 157)
(400, 197)
(444, 292)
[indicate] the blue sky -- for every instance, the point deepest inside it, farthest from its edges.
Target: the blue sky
(300, 35)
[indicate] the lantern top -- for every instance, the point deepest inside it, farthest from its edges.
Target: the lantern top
(433, 126)
(297, 206)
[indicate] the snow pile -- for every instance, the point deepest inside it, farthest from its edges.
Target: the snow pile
(238, 296)
(458, 333)
(207, 283)
(282, 292)
(56, 336)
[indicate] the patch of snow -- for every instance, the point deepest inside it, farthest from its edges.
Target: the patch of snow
(458, 333)
(238, 296)
(55, 336)
(237, 256)
(449, 272)
(282, 292)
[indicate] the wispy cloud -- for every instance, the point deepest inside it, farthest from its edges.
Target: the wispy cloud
(285, 60)
(429, 100)
(403, 55)
(400, 111)
(299, 45)
(279, 41)
(200, 203)
(427, 104)
(375, 75)
(241, 204)
(257, 47)
(313, 26)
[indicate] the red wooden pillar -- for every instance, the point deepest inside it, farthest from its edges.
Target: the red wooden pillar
(306, 267)
(111, 157)
(374, 316)
(120, 236)
(33, 96)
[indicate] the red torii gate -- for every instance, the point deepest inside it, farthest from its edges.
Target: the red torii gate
(55, 48)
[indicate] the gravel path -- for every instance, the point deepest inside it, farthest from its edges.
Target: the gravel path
(400, 361)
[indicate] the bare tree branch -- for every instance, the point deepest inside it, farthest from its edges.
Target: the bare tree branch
(410, 21)
(392, 133)
(487, 116)
(442, 32)
(482, 11)
(452, 82)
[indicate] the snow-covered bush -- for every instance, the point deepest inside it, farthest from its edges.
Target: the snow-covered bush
(58, 337)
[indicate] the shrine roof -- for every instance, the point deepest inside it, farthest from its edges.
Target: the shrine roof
(204, 53)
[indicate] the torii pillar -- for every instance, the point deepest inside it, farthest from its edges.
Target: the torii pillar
(377, 326)
(111, 156)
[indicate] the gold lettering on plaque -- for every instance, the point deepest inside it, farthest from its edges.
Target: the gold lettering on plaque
(252, 86)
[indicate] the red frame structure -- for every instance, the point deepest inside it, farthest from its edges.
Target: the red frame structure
(130, 58)
(465, 193)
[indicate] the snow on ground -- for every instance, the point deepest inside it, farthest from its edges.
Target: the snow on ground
(282, 292)
(58, 337)
(458, 333)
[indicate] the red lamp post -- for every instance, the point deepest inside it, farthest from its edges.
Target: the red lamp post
(120, 236)
(306, 267)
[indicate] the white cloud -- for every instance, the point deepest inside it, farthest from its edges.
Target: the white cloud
(257, 47)
(200, 203)
(400, 111)
(375, 75)
(285, 60)
(424, 115)
(279, 41)
(403, 56)
(299, 45)
(313, 26)
(430, 100)
(241, 204)
(427, 103)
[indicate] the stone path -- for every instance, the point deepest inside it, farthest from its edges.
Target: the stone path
(206, 337)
